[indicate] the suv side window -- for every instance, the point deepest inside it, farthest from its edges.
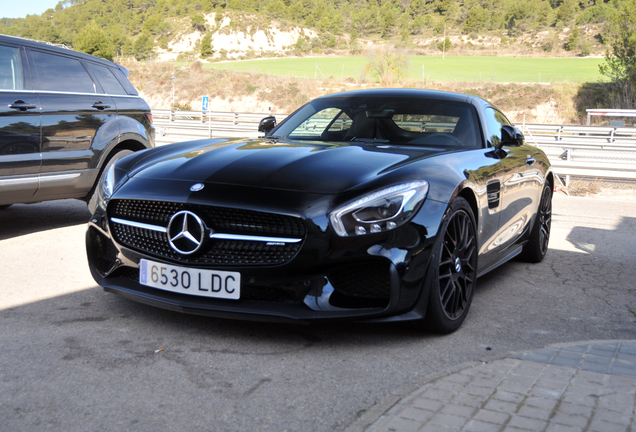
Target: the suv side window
(495, 120)
(10, 69)
(130, 89)
(74, 78)
(107, 79)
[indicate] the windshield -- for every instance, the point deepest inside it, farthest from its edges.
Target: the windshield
(415, 121)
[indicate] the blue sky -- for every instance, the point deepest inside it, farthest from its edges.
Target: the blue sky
(22, 8)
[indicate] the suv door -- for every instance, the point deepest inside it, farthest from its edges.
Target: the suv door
(76, 116)
(20, 156)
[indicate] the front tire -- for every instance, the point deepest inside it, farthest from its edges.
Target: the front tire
(454, 270)
(537, 247)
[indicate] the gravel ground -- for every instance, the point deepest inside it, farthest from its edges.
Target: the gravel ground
(75, 358)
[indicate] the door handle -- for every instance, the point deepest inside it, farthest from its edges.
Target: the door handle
(530, 161)
(99, 105)
(21, 105)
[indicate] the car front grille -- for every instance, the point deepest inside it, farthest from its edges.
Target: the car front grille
(221, 219)
(214, 252)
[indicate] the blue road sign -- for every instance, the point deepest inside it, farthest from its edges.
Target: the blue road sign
(204, 103)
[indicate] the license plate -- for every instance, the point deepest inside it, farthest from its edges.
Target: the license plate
(182, 280)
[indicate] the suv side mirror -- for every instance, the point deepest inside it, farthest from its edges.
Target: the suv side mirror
(511, 136)
(267, 124)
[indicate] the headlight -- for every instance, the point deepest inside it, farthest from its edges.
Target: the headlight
(380, 211)
(110, 181)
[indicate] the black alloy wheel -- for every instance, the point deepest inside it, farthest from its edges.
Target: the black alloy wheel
(537, 247)
(545, 220)
(457, 265)
(456, 270)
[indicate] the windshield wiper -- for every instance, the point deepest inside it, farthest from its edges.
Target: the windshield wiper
(370, 140)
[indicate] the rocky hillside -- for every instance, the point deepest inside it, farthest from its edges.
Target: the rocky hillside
(217, 29)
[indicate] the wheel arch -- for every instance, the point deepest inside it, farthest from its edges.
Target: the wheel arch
(550, 179)
(128, 144)
(469, 195)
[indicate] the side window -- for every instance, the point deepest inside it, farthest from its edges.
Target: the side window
(495, 120)
(60, 73)
(10, 69)
(425, 122)
(318, 123)
(107, 79)
(130, 89)
(342, 123)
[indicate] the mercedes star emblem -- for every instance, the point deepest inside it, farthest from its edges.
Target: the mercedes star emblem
(186, 232)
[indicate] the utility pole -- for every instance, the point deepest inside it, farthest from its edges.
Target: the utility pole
(444, 43)
(172, 78)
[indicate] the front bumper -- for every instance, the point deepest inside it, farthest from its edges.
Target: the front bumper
(375, 277)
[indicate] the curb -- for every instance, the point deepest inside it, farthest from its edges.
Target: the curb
(404, 394)
(401, 395)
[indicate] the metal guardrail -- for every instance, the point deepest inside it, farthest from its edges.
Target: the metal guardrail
(174, 126)
(605, 112)
(587, 151)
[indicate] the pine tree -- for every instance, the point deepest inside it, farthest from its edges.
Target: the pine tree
(206, 46)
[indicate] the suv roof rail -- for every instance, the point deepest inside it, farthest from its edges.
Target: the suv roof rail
(40, 41)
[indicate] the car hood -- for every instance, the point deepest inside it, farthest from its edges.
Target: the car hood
(287, 165)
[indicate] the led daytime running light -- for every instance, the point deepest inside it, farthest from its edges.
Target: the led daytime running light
(407, 191)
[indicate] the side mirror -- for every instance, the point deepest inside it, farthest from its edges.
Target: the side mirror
(267, 124)
(511, 136)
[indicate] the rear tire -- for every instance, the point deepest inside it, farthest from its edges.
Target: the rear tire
(453, 270)
(93, 196)
(537, 247)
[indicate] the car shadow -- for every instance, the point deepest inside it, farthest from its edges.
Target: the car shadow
(92, 311)
(23, 219)
(300, 335)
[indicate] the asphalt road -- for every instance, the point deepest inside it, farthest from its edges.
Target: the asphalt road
(74, 358)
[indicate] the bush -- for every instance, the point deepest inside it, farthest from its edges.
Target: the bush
(547, 46)
(206, 46)
(444, 45)
(182, 106)
(586, 49)
(573, 40)
(387, 65)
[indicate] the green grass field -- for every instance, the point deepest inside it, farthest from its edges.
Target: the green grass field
(429, 68)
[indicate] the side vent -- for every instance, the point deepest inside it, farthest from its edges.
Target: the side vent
(494, 193)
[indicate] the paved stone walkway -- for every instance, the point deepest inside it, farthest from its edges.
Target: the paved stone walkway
(566, 388)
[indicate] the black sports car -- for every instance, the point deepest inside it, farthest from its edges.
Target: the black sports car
(382, 205)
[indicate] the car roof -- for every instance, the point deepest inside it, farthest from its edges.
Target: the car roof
(62, 49)
(414, 93)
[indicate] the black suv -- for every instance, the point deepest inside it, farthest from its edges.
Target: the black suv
(64, 116)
